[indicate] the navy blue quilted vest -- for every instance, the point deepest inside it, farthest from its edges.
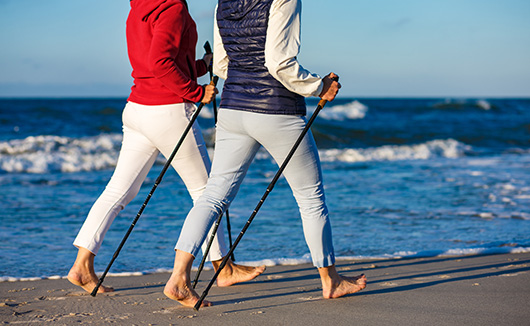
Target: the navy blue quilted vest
(249, 86)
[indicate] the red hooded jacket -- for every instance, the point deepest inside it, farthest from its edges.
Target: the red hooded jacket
(161, 40)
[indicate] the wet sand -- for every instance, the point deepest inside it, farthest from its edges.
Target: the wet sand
(463, 290)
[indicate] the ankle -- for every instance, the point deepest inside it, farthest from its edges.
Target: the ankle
(183, 263)
(329, 275)
(178, 279)
(85, 258)
(217, 264)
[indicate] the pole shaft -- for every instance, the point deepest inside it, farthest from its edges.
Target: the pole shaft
(208, 50)
(208, 246)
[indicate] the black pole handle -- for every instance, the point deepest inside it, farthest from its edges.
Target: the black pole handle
(207, 48)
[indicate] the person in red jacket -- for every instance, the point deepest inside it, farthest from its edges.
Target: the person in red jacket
(161, 41)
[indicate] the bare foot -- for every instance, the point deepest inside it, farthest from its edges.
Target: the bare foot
(342, 286)
(88, 281)
(233, 273)
(82, 273)
(179, 289)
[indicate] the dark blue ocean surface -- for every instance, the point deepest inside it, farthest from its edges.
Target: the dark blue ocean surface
(402, 177)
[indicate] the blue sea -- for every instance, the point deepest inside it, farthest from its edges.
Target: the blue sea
(403, 177)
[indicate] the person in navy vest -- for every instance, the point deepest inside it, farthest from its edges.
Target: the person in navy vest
(256, 43)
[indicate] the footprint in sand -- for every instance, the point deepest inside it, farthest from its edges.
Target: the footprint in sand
(77, 294)
(430, 278)
(52, 298)
(19, 290)
(511, 274)
(84, 294)
(309, 299)
(343, 269)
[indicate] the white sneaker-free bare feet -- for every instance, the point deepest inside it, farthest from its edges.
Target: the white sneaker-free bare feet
(82, 272)
(179, 288)
(345, 285)
(336, 286)
(233, 273)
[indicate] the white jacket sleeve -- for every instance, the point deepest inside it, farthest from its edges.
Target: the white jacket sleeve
(283, 46)
(220, 58)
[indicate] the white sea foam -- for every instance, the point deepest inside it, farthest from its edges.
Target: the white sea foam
(43, 154)
(449, 148)
(463, 103)
(483, 104)
(306, 260)
(443, 253)
(351, 111)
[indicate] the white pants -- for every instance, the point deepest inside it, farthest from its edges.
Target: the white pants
(239, 135)
(147, 131)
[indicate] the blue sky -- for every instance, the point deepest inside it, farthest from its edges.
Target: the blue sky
(380, 48)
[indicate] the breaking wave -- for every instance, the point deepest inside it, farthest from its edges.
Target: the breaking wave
(41, 154)
(45, 154)
(449, 148)
(350, 111)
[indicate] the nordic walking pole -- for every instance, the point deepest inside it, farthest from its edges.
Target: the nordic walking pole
(320, 105)
(157, 182)
(208, 50)
(205, 253)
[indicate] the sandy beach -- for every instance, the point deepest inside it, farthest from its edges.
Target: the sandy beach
(463, 290)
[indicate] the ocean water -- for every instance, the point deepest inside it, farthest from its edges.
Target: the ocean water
(403, 177)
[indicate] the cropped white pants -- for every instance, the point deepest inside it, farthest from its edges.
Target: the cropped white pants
(148, 131)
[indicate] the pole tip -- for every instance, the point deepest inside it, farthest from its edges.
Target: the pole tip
(95, 290)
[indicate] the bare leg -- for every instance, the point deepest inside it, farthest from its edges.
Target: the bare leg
(82, 273)
(233, 273)
(178, 287)
(335, 285)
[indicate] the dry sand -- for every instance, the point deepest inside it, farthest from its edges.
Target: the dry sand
(465, 290)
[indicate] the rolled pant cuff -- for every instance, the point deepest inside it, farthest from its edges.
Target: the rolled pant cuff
(90, 246)
(324, 261)
(191, 249)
